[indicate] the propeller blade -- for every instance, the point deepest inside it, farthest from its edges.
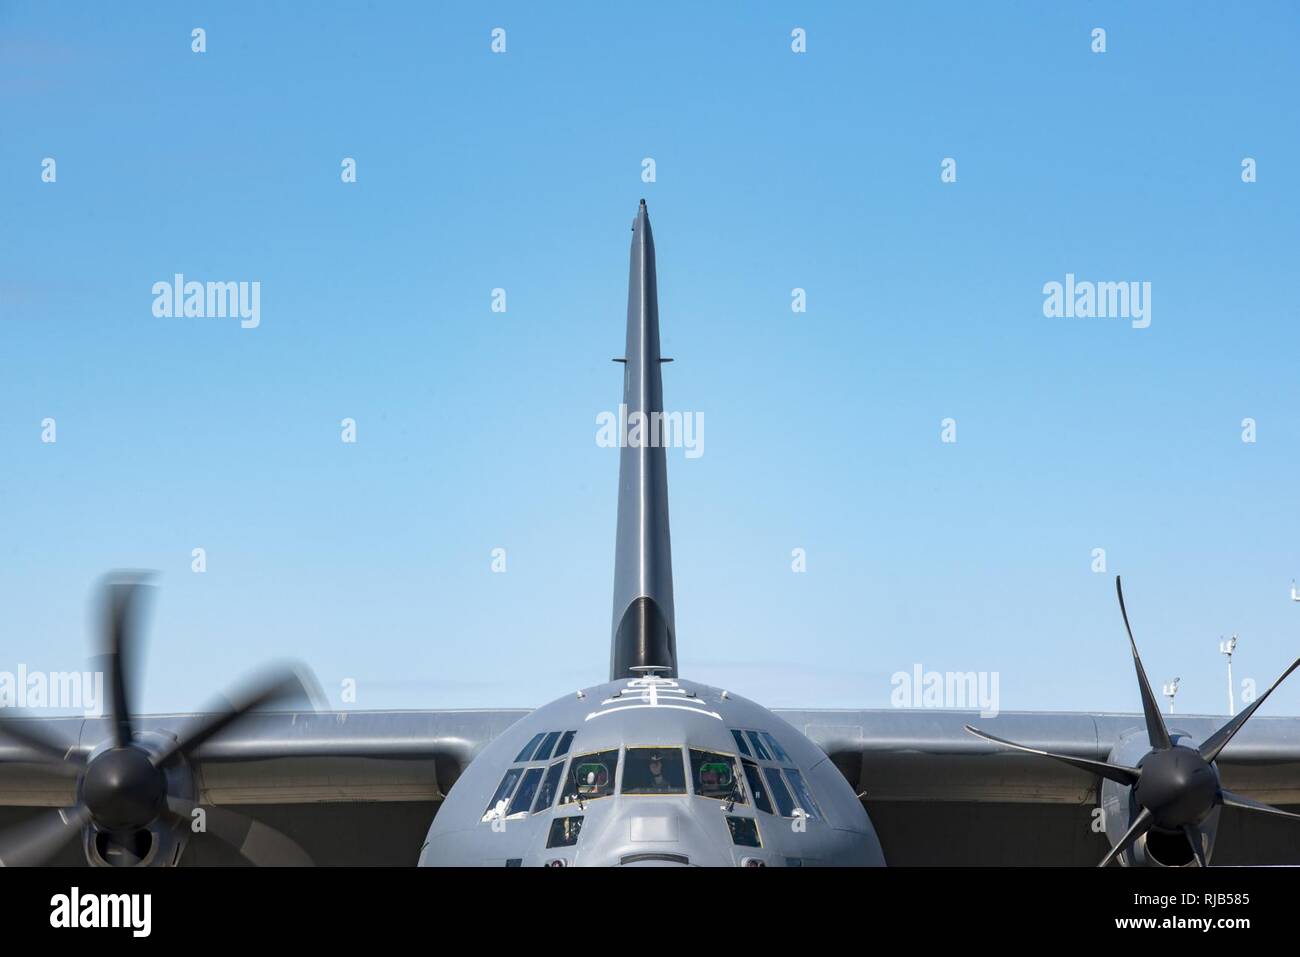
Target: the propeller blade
(38, 841)
(1157, 733)
(1216, 742)
(1113, 772)
(1246, 804)
(1198, 847)
(278, 685)
(1141, 824)
(31, 734)
(122, 601)
(255, 842)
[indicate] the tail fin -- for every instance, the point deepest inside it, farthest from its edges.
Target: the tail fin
(643, 629)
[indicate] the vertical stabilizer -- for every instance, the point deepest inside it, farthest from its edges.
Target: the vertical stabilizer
(643, 629)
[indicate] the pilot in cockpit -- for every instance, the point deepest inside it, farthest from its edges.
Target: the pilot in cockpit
(655, 767)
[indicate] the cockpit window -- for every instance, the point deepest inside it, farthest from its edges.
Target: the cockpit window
(756, 786)
(592, 776)
(802, 794)
(780, 793)
(760, 752)
(654, 771)
(546, 794)
(496, 807)
(523, 799)
(529, 748)
(778, 752)
(564, 831)
(548, 742)
(740, 742)
(715, 776)
(563, 747)
(744, 831)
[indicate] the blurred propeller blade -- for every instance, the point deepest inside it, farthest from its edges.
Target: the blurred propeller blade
(1246, 804)
(1157, 733)
(1113, 772)
(1216, 742)
(1198, 847)
(1141, 824)
(255, 842)
(280, 684)
(36, 842)
(123, 598)
(33, 736)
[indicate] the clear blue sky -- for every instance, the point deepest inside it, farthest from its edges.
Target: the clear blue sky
(476, 430)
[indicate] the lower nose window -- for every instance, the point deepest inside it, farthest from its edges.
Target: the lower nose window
(564, 831)
(744, 831)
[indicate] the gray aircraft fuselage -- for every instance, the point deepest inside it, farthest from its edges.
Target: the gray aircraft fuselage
(684, 826)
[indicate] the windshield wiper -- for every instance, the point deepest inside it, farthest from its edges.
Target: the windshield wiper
(577, 794)
(733, 795)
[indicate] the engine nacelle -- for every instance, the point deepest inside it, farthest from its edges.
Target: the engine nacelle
(159, 844)
(1158, 847)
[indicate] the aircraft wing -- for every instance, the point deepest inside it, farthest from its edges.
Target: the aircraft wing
(938, 795)
(350, 787)
(360, 787)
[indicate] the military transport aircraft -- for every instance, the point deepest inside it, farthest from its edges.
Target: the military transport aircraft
(647, 768)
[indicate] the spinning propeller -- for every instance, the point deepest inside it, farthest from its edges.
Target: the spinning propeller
(129, 783)
(1175, 786)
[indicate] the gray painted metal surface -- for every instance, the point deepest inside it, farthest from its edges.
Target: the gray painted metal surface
(643, 566)
(664, 715)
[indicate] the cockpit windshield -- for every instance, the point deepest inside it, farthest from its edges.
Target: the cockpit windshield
(715, 776)
(654, 771)
(592, 776)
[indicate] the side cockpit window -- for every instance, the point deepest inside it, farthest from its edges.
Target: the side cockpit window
(780, 793)
(523, 798)
(591, 777)
(740, 742)
(654, 771)
(497, 806)
(757, 787)
(803, 794)
(539, 746)
(543, 753)
(715, 775)
(760, 751)
(778, 752)
(563, 748)
(550, 787)
(530, 747)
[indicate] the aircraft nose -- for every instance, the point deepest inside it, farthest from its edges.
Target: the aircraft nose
(654, 833)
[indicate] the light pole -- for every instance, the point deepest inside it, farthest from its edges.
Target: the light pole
(1170, 690)
(1226, 648)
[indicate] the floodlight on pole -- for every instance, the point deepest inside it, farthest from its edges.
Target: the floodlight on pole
(1171, 689)
(1226, 648)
